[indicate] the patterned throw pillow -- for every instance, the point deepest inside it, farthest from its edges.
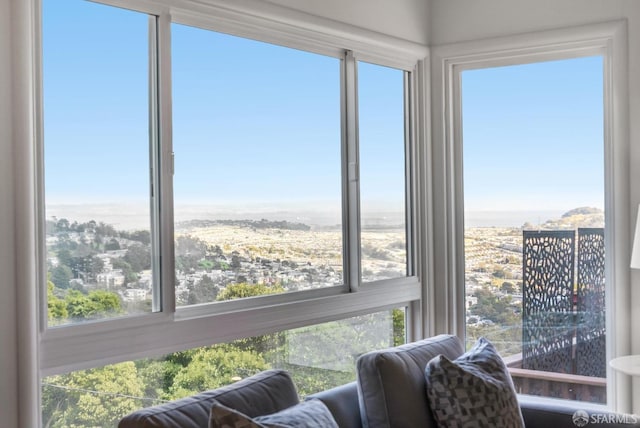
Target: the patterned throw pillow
(473, 391)
(308, 414)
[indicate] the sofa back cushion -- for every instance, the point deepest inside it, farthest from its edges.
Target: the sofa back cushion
(391, 384)
(264, 393)
(342, 401)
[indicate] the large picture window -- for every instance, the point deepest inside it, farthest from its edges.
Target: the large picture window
(535, 222)
(202, 191)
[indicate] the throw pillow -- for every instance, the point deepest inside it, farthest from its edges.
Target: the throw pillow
(308, 414)
(475, 390)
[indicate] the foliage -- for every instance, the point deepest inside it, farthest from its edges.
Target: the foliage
(61, 275)
(203, 291)
(125, 267)
(91, 398)
(243, 290)
(138, 257)
(56, 308)
(190, 251)
(96, 304)
(213, 367)
(492, 307)
(399, 332)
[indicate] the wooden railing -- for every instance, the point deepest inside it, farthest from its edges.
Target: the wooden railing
(556, 385)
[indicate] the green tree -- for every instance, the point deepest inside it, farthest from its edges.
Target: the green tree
(203, 291)
(138, 257)
(64, 257)
(56, 307)
(92, 398)
(399, 335)
(500, 310)
(112, 245)
(243, 290)
(96, 304)
(213, 367)
(127, 270)
(61, 275)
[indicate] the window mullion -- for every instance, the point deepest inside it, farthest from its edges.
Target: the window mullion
(165, 287)
(351, 173)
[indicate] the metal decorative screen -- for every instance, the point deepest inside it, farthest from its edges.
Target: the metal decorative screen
(590, 332)
(548, 281)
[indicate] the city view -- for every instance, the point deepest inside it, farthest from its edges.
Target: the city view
(260, 173)
(99, 271)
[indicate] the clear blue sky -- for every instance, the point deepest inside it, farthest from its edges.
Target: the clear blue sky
(252, 122)
(533, 136)
(259, 123)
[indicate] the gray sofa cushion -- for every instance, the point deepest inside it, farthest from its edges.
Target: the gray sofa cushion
(264, 393)
(391, 384)
(342, 401)
(308, 414)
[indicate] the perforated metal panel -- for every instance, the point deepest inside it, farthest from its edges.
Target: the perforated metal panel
(548, 319)
(590, 332)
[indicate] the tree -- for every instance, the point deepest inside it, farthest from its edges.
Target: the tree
(64, 257)
(92, 398)
(127, 271)
(507, 287)
(112, 245)
(243, 290)
(61, 275)
(203, 291)
(214, 367)
(138, 257)
(56, 307)
(399, 335)
(96, 304)
(499, 310)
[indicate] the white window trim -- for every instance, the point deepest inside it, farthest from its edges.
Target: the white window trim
(44, 351)
(446, 304)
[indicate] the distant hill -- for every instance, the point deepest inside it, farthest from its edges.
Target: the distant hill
(572, 219)
(251, 224)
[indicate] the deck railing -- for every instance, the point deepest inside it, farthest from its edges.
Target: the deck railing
(563, 320)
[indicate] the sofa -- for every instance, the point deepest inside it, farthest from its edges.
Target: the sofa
(390, 392)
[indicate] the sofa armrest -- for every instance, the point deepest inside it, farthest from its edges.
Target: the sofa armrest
(342, 401)
(539, 413)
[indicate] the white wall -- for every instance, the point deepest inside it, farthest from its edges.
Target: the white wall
(405, 19)
(8, 359)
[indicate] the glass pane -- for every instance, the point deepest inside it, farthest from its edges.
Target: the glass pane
(382, 172)
(257, 182)
(96, 156)
(317, 357)
(534, 222)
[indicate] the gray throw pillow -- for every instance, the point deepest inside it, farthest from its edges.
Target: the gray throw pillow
(475, 390)
(308, 414)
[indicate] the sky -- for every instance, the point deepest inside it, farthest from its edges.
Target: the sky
(533, 136)
(253, 123)
(259, 125)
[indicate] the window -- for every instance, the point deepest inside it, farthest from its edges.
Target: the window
(522, 119)
(318, 357)
(257, 184)
(201, 188)
(96, 155)
(534, 222)
(382, 173)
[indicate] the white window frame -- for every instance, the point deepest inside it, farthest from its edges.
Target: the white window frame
(608, 40)
(45, 351)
